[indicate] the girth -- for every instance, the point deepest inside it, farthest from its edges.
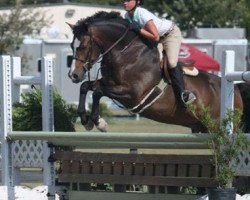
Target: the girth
(150, 98)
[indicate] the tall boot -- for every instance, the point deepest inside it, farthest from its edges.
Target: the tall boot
(183, 97)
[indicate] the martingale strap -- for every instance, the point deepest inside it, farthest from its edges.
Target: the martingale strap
(150, 98)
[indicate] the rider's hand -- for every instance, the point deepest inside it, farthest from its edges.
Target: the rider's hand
(135, 27)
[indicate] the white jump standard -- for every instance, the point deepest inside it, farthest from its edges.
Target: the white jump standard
(11, 79)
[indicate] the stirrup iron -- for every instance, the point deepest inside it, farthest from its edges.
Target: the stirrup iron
(191, 97)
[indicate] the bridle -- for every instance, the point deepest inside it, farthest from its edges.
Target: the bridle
(87, 65)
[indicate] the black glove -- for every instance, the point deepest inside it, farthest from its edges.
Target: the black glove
(135, 27)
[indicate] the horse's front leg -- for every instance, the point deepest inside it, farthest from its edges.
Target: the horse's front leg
(81, 111)
(95, 113)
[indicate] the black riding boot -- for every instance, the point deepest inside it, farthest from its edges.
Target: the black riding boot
(183, 96)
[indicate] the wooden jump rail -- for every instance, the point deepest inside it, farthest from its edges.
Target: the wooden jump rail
(143, 169)
(154, 171)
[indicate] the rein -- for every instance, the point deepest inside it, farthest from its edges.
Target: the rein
(90, 64)
(112, 46)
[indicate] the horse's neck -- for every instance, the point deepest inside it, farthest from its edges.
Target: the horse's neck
(137, 60)
(130, 73)
(130, 54)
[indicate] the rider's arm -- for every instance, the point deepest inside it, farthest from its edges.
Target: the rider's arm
(149, 31)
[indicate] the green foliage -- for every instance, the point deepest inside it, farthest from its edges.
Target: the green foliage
(100, 2)
(103, 110)
(17, 23)
(187, 14)
(27, 116)
(189, 190)
(30, 2)
(225, 147)
(27, 2)
(204, 13)
(7, 2)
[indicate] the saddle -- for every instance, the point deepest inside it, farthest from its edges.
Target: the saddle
(187, 65)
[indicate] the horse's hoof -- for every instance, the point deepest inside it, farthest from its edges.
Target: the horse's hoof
(102, 125)
(89, 126)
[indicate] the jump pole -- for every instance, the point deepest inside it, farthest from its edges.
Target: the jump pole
(8, 78)
(117, 140)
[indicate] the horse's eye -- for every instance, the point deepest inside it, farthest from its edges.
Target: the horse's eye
(79, 48)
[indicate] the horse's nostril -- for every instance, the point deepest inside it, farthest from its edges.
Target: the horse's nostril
(75, 76)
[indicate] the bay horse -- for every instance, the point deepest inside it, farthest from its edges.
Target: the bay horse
(131, 71)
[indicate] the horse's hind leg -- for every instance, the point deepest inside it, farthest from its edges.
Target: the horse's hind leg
(81, 111)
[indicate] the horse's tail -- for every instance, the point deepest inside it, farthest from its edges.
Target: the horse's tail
(245, 95)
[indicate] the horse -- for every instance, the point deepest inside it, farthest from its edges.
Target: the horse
(131, 74)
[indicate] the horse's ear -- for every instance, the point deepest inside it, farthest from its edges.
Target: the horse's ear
(70, 25)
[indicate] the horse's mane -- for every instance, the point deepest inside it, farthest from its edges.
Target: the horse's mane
(83, 24)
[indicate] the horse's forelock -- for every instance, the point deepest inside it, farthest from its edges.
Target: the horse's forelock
(80, 28)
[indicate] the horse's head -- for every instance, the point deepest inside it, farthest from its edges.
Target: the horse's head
(85, 53)
(86, 45)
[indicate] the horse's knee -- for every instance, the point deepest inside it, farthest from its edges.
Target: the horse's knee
(97, 94)
(84, 88)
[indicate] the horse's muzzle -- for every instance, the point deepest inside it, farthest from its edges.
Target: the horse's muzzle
(74, 77)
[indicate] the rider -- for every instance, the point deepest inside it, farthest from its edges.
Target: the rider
(165, 31)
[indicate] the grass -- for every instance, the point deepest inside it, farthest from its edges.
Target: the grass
(140, 126)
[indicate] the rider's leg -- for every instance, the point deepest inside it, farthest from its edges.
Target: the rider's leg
(172, 44)
(160, 50)
(183, 96)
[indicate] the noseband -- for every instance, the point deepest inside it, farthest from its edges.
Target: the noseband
(87, 65)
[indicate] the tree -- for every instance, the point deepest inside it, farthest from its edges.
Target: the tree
(100, 2)
(7, 2)
(196, 13)
(16, 24)
(203, 13)
(246, 20)
(28, 2)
